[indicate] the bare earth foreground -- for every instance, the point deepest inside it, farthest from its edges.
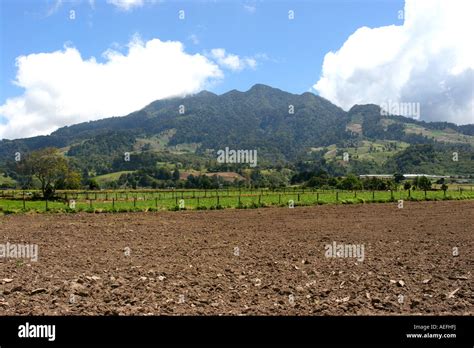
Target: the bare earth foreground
(267, 261)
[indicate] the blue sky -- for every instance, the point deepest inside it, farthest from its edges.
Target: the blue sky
(116, 56)
(294, 49)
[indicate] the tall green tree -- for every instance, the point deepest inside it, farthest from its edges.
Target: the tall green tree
(49, 166)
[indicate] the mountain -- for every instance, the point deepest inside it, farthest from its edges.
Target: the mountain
(284, 128)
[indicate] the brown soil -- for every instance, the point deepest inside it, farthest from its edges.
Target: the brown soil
(187, 262)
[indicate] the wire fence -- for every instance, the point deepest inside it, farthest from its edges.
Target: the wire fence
(14, 200)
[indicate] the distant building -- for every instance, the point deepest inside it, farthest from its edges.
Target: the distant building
(381, 176)
(407, 176)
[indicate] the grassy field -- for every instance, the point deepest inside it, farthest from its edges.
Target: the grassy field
(152, 200)
(378, 151)
(107, 178)
(5, 180)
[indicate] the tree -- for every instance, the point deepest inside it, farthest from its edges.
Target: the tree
(407, 186)
(163, 174)
(85, 176)
(316, 182)
(48, 165)
(176, 175)
(424, 183)
(398, 178)
(93, 185)
(444, 187)
(416, 182)
(71, 181)
(351, 182)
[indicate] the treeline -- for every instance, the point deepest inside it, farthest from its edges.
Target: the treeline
(163, 178)
(322, 180)
(49, 170)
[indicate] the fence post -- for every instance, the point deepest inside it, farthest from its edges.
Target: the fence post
(373, 195)
(113, 203)
(337, 196)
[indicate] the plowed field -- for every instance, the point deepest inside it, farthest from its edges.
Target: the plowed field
(269, 261)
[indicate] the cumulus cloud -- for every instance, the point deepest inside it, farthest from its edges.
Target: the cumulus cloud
(232, 61)
(428, 60)
(126, 5)
(63, 88)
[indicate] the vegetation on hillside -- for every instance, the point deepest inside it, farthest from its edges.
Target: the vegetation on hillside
(293, 135)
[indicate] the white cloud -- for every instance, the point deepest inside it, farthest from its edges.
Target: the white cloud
(427, 60)
(123, 5)
(126, 5)
(250, 8)
(54, 8)
(62, 88)
(232, 61)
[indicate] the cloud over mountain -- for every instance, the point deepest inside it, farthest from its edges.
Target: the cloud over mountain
(232, 61)
(63, 88)
(428, 60)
